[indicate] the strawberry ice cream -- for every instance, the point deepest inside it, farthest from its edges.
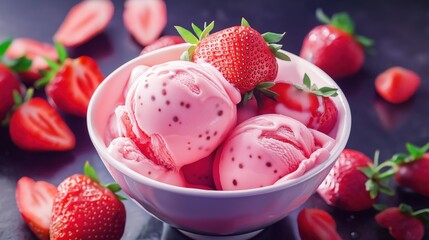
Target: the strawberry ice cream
(175, 113)
(268, 149)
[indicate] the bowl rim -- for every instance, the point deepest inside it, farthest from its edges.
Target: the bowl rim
(101, 149)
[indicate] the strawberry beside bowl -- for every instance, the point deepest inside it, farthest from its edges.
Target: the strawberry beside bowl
(197, 212)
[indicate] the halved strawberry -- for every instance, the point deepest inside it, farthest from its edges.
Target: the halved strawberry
(316, 224)
(161, 42)
(36, 126)
(145, 20)
(309, 104)
(70, 84)
(84, 21)
(397, 84)
(35, 51)
(9, 81)
(35, 201)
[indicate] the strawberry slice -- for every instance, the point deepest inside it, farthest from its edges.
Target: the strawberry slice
(397, 84)
(35, 201)
(162, 42)
(84, 21)
(36, 126)
(35, 51)
(316, 224)
(145, 20)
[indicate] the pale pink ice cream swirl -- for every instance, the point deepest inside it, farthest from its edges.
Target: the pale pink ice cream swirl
(268, 149)
(175, 113)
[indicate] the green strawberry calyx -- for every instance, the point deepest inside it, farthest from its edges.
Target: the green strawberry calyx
(414, 154)
(378, 175)
(20, 64)
(343, 21)
(90, 172)
(199, 34)
(312, 88)
(18, 101)
(54, 66)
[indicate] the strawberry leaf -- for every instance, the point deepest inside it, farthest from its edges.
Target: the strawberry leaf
(386, 190)
(271, 37)
(89, 171)
(275, 47)
(17, 98)
(282, 56)
(364, 41)
(120, 197)
(322, 17)
(415, 152)
(244, 22)
(4, 46)
(328, 92)
(114, 187)
(28, 94)
(380, 207)
(61, 51)
(405, 208)
(207, 30)
(367, 171)
(197, 30)
(52, 64)
(343, 21)
(20, 64)
(307, 81)
(265, 85)
(372, 188)
(187, 35)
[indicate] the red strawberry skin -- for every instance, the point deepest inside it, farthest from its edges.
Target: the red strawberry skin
(8, 82)
(244, 66)
(401, 225)
(72, 87)
(321, 111)
(316, 224)
(397, 84)
(344, 187)
(85, 210)
(37, 126)
(414, 175)
(333, 50)
(35, 201)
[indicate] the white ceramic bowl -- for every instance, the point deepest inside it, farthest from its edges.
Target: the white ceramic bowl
(199, 212)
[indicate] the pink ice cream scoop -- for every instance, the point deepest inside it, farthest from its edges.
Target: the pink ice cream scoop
(178, 112)
(268, 149)
(125, 150)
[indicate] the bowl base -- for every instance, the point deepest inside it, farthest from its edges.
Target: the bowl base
(243, 236)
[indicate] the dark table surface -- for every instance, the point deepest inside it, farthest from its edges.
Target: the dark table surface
(400, 30)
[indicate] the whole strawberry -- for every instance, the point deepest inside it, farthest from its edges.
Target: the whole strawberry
(85, 209)
(244, 56)
(402, 222)
(354, 183)
(334, 47)
(71, 83)
(413, 169)
(314, 105)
